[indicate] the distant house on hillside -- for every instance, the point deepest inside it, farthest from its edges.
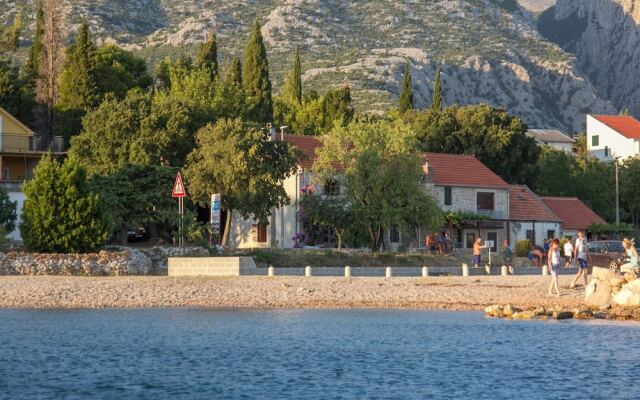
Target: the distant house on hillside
(612, 136)
(553, 138)
(530, 218)
(574, 214)
(20, 151)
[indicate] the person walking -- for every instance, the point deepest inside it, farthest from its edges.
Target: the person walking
(581, 254)
(632, 253)
(568, 253)
(477, 252)
(507, 254)
(553, 261)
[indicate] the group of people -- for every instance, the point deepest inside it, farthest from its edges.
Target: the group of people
(439, 243)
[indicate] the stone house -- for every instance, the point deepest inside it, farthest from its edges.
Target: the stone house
(613, 136)
(20, 151)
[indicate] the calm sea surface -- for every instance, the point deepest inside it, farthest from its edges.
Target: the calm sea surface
(314, 354)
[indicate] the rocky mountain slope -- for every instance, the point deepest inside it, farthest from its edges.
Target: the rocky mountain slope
(489, 50)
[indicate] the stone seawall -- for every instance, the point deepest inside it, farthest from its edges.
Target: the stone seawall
(127, 262)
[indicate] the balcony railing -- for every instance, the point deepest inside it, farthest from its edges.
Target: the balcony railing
(12, 143)
(493, 214)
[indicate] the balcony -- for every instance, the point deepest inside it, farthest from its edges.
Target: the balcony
(23, 144)
(492, 214)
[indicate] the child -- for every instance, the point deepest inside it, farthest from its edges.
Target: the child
(477, 252)
(553, 261)
(568, 252)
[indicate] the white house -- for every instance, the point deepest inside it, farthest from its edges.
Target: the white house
(553, 138)
(612, 136)
(530, 218)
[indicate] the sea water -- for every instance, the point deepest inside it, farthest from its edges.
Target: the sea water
(311, 354)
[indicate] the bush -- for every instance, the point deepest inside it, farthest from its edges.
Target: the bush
(61, 214)
(7, 212)
(522, 248)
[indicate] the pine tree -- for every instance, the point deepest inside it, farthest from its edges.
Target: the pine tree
(234, 75)
(406, 95)
(255, 77)
(61, 213)
(293, 82)
(436, 104)
(78, 89)
(31, 66)
(208, 54)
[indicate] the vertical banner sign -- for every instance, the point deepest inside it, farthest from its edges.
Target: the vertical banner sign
(215, 214)
(180, 193)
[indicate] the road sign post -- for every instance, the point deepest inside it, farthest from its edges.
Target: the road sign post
(215, 216)
(180, 193)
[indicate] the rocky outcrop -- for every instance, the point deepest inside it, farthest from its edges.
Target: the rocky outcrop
(128, 262)
(607, 287)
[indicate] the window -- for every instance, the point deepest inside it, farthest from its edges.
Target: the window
(530, 236)
(447, 195)
(331, 187)
(595, 141)
(493, 236)
(5, 173)
(551, 234)
(259, 233)
(394, 234)
(606, 151)
(470, 239)
(485, 200)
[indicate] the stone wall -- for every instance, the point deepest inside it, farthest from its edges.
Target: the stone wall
(128, 262)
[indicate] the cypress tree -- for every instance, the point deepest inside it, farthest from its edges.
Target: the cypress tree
(33, 62)
(293, 83)
(234, 75)
(406, 95)
(436, 104)
(255, 77)
(208, 54)
(78, 89)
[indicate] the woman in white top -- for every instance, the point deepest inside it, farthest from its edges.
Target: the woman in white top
(553, 261)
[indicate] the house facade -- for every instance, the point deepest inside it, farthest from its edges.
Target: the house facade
(20, 151)
(552, 138)
(530, 218)
(613, 136)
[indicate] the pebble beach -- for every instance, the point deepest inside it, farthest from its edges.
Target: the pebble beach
(449, 293)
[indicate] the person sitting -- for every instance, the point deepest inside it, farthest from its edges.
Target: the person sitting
(632, 253)
(431, 244)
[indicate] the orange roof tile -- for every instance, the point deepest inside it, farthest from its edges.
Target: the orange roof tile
(308, 145)
(461, 170)
(573, 212)
(625, 125)
(524, 205)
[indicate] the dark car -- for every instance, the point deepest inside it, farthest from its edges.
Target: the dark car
(606, 253)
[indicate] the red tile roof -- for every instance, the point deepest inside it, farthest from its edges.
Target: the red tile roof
(461, 170)
(573, 212)
(308, 145)
(524, 205)
(625, 125)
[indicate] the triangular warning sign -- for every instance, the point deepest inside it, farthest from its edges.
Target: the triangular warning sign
(178, 187)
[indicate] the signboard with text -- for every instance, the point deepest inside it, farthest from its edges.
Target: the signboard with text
(215, 212)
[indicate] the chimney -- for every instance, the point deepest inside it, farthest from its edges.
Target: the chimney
(283, 130)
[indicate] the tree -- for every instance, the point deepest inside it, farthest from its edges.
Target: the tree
(293, 81)
(239, 161)
(31, 67)
(61, 214)
(380, 168)
(496, 138)
(10, 36)
(234, 75)
(78, 89)
(337, 108)
(10, 96)
(208, 55)
(137, 195)
(7, 213)
(406, 95)
(51, 61)
(328, 213)
(436, 103)
(630, 187)
(117, 71)
(255, 77)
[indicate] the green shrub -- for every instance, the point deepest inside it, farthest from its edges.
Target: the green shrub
(523, 247)
(7, 212)
(61, 214)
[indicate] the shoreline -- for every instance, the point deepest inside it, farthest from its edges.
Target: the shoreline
(434, 293)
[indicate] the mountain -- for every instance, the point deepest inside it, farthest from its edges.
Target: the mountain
(544, 60)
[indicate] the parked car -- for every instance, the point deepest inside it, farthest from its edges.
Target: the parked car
(606, 253)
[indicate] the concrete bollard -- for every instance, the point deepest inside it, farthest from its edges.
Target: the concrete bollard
(425, 272)
(347, 272)
(504, 270)
(487, 269)
(545, 270)
(465, 269)
(388, 272)
(307, 271)
(271, 271)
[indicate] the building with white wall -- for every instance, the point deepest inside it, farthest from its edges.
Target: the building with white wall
(552, 138)
(530, 218)
(612, 136)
